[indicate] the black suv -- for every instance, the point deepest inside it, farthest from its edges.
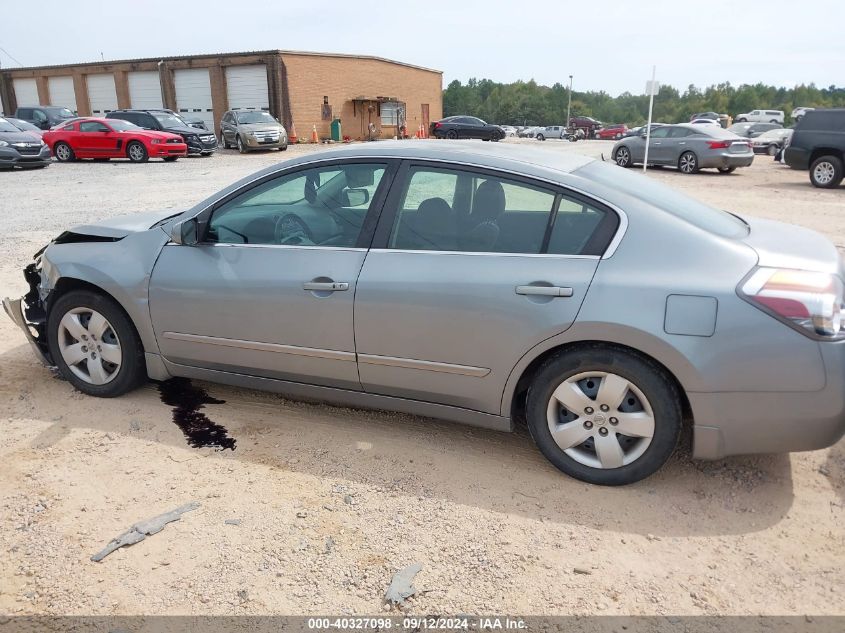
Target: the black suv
(44, 117)
(818, 144)
(200, 142)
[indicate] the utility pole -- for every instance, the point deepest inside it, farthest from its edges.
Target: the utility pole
(569, 105)
(651, 88)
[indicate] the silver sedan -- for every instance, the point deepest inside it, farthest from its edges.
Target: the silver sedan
(688, 147)
(488, 286)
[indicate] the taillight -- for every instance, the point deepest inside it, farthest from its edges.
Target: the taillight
(808, 301)
(719, 144)
(437, 125)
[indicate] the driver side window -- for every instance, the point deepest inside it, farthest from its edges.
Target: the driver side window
(313, 207)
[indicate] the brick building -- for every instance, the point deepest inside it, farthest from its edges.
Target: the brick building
(302, 88)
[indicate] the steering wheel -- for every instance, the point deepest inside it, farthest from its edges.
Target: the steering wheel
(291, 230)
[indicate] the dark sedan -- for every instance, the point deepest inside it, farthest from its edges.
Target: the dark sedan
(466, 127)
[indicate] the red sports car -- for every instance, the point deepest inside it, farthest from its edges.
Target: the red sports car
(102, 139)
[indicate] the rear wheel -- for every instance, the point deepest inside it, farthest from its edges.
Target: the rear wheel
(137, 153)
(540, 137)
(773, 149)
(618, 136)
(773, 121)
(623, 156)
(94, 344)
(604, 415)
(826, 172)
(63, 153)
(688, 163)
(452, 134)
(741, 120)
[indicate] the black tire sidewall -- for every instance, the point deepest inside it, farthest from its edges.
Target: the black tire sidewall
(838, 172)
(646, 375)
(132, 367)
(141, 145)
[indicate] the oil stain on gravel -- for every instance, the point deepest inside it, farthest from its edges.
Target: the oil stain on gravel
(187, 400)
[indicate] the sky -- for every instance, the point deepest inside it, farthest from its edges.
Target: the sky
(608, 45)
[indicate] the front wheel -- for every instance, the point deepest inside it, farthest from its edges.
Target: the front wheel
(727, 170)
(826, 172)
(688, 163)
(64, 153)
(137, 153)
(94, 344)
(604, 415)
(170, 159)
(623, 157)
(239, 142)
(773, 150)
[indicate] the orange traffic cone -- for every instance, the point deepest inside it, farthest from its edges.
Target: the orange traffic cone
(292, 138)
(423, 131)
(314, 138)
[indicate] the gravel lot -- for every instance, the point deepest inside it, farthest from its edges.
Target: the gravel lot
(325, 504)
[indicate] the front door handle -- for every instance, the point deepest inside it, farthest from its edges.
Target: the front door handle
(324, 286)
(544, 291)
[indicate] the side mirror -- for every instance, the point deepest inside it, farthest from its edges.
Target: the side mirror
(355, 197)
(185, 233)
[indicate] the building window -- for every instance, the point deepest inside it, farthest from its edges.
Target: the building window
(392, 113)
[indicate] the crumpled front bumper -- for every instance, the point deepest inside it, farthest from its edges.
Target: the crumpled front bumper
(13, 308)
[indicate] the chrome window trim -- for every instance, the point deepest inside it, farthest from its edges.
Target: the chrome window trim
(259, 346)
(302, 247)
(482, 253)
(621, 230)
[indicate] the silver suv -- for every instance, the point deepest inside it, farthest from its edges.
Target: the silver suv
(252, 129)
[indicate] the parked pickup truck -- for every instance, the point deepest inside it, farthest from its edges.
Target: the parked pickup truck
(553, 131)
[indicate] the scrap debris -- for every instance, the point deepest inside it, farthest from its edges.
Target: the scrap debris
(401, 586)
(143, 529)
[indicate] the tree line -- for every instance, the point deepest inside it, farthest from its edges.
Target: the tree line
(528, 103)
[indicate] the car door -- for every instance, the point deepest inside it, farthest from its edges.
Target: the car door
(226, 134)
(95, 140)
(678, 141)
(268, 290)
(474, 128)
(469, 270)
(660, 147)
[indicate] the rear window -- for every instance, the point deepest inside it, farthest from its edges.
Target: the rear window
(821, 120)
(637, 185)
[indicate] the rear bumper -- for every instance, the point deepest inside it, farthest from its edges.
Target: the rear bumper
(797, 157)
(772, 422)
(726, 159)
(14, 310)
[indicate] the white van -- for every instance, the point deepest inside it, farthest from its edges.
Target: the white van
(761, 116)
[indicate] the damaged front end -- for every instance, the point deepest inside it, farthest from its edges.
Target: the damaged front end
(29, 312)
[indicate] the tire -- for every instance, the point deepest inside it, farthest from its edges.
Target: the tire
(496, 138)
(137, 153)
(741, 120)
(283, 148)
(240, 144)
(540, 137)
(451, 134)
(118, 332)
(772, 150)
(64, 153)
(826, 172)
(726, 170)
(170, 159)
(773, 121)
(648, 399)
(622, 156)
(618, 136)
(223, 140)
(688, 163)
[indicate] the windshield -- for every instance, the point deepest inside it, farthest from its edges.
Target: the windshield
(62, 113)
(5, 126)
(168, 120)
(119, 125)
(642, 187)
(739, 128)
(255, 117)
(772, 134)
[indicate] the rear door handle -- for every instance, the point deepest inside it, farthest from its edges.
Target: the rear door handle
(330, 286)
(544, 291)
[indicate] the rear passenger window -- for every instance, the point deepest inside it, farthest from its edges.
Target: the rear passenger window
(451, 210)
(575, 227)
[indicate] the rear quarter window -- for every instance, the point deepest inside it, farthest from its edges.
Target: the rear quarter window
(819, 120)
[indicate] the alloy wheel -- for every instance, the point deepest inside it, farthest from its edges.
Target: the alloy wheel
(623, 157)
(688, 163)
(824, 172)
(62, 152)
(136, 152)
(89, 346)
(600, 419)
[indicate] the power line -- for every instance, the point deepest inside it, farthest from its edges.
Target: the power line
(10, 56)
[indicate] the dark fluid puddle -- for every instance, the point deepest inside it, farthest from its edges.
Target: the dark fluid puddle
(187, 400)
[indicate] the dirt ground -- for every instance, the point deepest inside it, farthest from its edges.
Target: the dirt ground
(324, 504)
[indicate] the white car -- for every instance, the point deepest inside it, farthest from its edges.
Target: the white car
(705, 122)
(797, 113)
(760, 116)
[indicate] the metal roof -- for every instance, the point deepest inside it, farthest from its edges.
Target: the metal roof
(213, 55)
